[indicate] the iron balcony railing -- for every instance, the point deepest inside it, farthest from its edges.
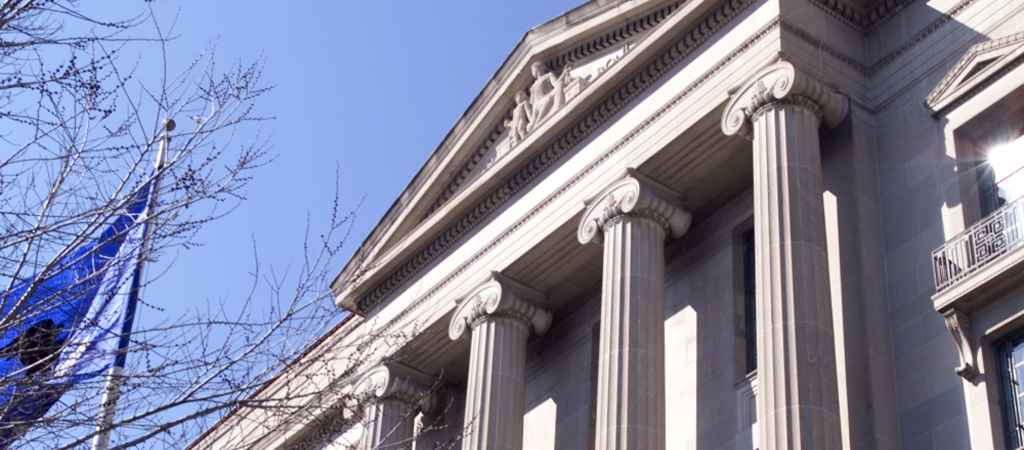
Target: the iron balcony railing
(978, 245)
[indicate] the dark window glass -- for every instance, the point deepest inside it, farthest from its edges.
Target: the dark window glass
(1012, 368)
(749, 301)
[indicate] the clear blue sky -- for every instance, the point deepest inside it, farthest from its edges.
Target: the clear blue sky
(372, 86)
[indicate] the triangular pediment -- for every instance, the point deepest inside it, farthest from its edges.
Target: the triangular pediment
(491, 144)
(981, 65)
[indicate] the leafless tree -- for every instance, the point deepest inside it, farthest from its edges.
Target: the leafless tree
(78, 137)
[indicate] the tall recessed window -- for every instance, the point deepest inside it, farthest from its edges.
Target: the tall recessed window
(1002, 175)
(749, 301)
(1012, 368)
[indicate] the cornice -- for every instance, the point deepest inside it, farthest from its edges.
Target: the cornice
(861, 22)
(891, 57)
(920, 36)
(717, 68)
(694, 38)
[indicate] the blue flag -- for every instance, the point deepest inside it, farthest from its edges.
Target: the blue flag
(75, 323)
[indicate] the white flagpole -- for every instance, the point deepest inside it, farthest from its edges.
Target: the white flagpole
(113, 386)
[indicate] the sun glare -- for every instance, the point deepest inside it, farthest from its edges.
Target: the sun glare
(1006, 162)
(1008, 158)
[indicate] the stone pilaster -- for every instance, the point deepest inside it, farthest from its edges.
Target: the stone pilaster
(500, 314)
(632, 217)
(781, 110)
(390, 397)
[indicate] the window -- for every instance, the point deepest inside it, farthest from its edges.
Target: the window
(1012, 369)
(1001, 175)
(749, 301)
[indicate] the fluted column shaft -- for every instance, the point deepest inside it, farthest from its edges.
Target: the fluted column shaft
(632, 217)
(500, 314)
(631, 367)
(389, 425)
(496, 387)
(796, 349)
(798, 403)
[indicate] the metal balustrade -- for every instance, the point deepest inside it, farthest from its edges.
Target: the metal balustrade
(979, 245)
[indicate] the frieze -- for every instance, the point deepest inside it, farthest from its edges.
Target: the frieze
(809, 38)
(612, 105)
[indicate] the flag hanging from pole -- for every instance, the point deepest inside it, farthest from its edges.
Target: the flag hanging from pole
(71, 327)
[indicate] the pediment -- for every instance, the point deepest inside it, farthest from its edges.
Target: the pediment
(490, 142)
(982, 65)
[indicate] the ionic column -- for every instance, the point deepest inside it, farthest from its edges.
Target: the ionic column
(390, 397)
(632, 218)
(781, 110)
(500, 314)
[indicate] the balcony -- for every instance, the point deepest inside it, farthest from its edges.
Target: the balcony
(979, 245)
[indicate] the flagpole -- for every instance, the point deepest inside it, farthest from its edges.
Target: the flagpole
(114, 377)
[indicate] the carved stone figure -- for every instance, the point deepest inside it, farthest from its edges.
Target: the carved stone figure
(547, 93)
(518, 126)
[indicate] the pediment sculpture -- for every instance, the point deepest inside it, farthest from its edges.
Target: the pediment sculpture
(547, 94)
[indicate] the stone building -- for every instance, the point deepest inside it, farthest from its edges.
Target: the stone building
(699, 224)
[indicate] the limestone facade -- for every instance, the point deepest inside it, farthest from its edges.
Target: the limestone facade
(700, 224)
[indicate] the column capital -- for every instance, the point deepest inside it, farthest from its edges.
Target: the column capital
(781, 82)
(500, 296)
(638, 195)
(397, 382)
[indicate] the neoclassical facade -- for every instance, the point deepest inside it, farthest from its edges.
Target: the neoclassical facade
(699, 224)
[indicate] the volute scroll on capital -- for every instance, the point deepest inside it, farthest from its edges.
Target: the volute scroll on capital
(634, 195)
(781, 82)
(395, 381)
(500, 296)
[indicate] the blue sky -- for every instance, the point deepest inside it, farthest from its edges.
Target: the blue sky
(367, 88)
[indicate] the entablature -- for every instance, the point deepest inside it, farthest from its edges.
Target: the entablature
(642, 67)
